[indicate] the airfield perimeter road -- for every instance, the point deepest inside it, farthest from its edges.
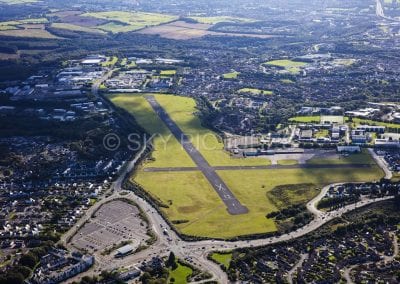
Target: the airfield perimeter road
(233, 205)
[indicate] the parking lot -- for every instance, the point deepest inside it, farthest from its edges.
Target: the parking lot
(113, 223)
(392, 158)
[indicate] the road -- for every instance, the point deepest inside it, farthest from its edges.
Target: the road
(232, 204)
(292, 271)
(380, 12)
(382, 164)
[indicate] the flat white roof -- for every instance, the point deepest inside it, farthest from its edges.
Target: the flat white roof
(91, 61)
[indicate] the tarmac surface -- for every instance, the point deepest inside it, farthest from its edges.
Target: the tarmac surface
(271, 167)
(233, 205)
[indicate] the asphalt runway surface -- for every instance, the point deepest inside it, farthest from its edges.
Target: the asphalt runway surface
(271, 167)
(233, 205)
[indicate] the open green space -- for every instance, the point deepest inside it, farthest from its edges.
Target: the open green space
(287, 81)
(306, 119)
(360, 121)
(293, 67)
(287, 162)
(168, 72)
(222, 258)
(360, 158)
(183, 111)
(231, 75)
(111, 61)
(129, 21)
(321, 133)
(292, 194)
(179, 274)
(255, 91)
(76, 28)
(14, 25)
(344, 61)
(167, 150)
(190, 197)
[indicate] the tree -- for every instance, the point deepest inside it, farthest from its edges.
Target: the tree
(29, 260)
(171, 262)
(12, 278)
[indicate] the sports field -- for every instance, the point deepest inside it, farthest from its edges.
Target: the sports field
(192, 203)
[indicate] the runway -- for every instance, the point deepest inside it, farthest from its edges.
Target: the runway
(233, 205)
(271, 167)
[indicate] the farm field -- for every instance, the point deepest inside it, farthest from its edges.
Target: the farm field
(178, 30)
(220, 19)
(18, 24)
(76, 28)
(119, 21)
(29, 31)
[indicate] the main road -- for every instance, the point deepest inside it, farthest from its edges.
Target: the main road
(233, 205)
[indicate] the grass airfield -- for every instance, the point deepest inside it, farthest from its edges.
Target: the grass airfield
(193, 205)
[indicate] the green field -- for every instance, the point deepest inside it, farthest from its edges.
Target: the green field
(222, 258)
(231, 75)
(180, 274)
(129, 21)
(182, 110)
(168, 72)
(111, 61)
(14, 25)
(306, 119)
(255, 91)
(360, 121)
(166, 146)
(293, 67)
(192, 202)
(287, 162)
(361, 158)
(76, 28)
(344, 61)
